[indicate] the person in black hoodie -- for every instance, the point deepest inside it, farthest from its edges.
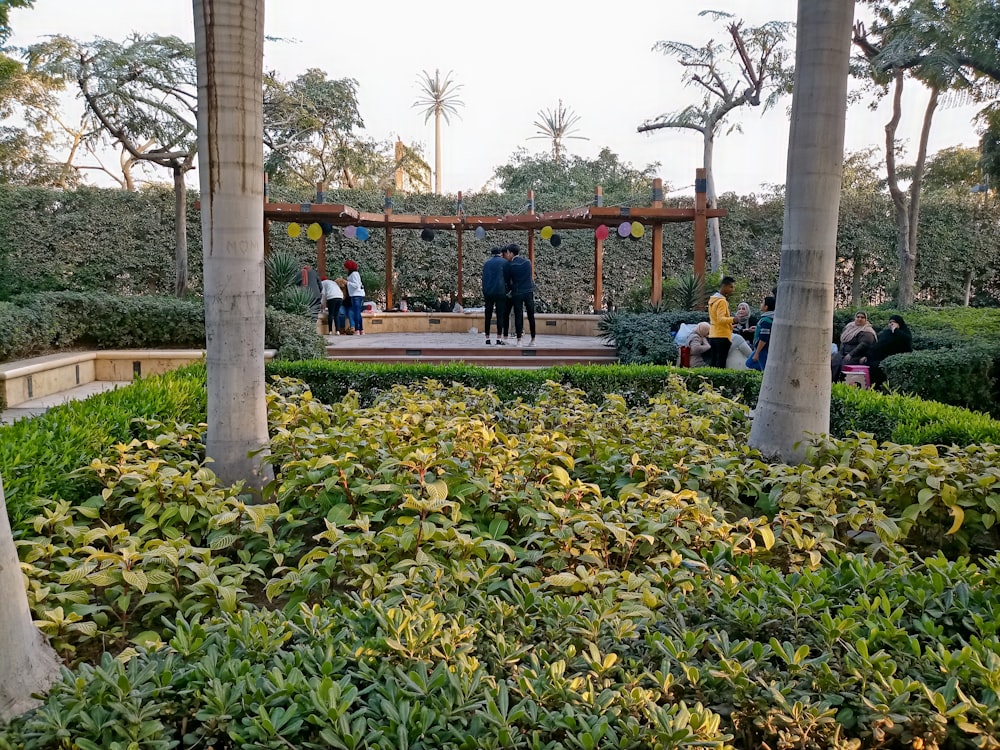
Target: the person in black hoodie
(495, 291)
(522, 287)
(894, 339)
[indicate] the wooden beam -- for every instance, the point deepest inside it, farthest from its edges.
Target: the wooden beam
(461, 211)
(321, 242)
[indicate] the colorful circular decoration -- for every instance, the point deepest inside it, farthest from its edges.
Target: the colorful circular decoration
(555, 240)
(546, 232)
(637, 229)
(480, 233)
(362, 233)
(294, 230)
(314, 232)
(350, 232)
(601, 232)
(624, 229)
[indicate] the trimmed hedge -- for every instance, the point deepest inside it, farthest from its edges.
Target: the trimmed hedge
(893, 417)
(42, 323)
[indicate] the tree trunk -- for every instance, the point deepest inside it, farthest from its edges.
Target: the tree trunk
(180, 233)
(437, 152)
(968, 288)
(229, 36)
(857, 276)
(909, 274)
(27, 662)
(714, 237)
(795, 395)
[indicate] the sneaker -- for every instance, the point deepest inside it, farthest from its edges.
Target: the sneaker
(488, 342)
(501, 342)
(532, 342)
(519, 343)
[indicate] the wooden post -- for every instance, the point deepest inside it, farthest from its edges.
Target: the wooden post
(598, 257)
(531, 232)
(267, 224)
(388, 250)
(461, 217)
(700, 229)
(656, 295)
(321, 242)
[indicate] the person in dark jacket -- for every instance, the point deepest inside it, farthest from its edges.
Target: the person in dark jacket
(894, 339)
(856, 339)
(495, 291)
(522, 286)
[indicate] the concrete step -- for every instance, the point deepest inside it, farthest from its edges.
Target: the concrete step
(545, 355)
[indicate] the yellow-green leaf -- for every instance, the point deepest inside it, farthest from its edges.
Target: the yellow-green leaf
(959, 515)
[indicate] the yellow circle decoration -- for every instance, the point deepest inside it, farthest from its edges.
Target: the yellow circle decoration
(294, 230)
(637, 229)
(546, 232)
(314, 232)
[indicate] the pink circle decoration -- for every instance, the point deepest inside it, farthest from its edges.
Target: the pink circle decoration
(625, 229)
(601, 232)
(350, 232)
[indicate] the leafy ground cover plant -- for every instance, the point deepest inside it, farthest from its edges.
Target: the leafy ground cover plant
(444, 568)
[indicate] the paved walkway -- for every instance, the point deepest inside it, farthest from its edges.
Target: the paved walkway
(372, 341)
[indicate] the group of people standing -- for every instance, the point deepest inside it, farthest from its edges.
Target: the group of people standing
(344, 295)
(710, 342)
(508, 284)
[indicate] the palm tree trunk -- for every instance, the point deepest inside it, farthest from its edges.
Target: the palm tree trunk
(229, 36)
(437, 152)
(714, 237)
(27, 662)
(795, 395)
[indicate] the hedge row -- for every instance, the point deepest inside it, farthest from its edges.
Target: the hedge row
(42, 323)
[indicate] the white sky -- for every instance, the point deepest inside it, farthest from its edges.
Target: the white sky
(514, 59)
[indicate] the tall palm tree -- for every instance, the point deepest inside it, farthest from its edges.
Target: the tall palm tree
(229, 39)
(557, 125)
(439, 98)
(795, 395)
(28, 664)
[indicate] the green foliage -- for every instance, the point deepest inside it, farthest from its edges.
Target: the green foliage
(446, 564)
(38, 455)
(42, 323)
(965, 376)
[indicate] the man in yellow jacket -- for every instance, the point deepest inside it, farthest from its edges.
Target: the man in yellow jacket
(720, 336)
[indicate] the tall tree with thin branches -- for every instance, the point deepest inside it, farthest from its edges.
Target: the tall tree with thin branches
(759, 75)
(557, 125)
(438, 99)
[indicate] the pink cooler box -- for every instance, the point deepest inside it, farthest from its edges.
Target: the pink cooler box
(857, 376)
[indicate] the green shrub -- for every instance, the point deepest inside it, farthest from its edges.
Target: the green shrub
(34, 324)
(962, 376)
(646, 338)
(38, 456)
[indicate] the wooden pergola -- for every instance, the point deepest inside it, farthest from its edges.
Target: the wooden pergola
(589, 217)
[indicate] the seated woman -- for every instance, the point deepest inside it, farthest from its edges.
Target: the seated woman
(894, 339)
(856, 339)
(698, 345)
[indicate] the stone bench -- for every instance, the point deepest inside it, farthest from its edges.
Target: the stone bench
(464, 322)
(37, 377)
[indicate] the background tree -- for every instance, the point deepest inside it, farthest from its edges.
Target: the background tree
(864, 205)
(5, 7)
(439, 99)
(923, 40)
(557, 125)
(27, 663)
(313, 133)
(571, 181)
(794, 398)
(759, 76)
(229, 38)
(142, 94)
